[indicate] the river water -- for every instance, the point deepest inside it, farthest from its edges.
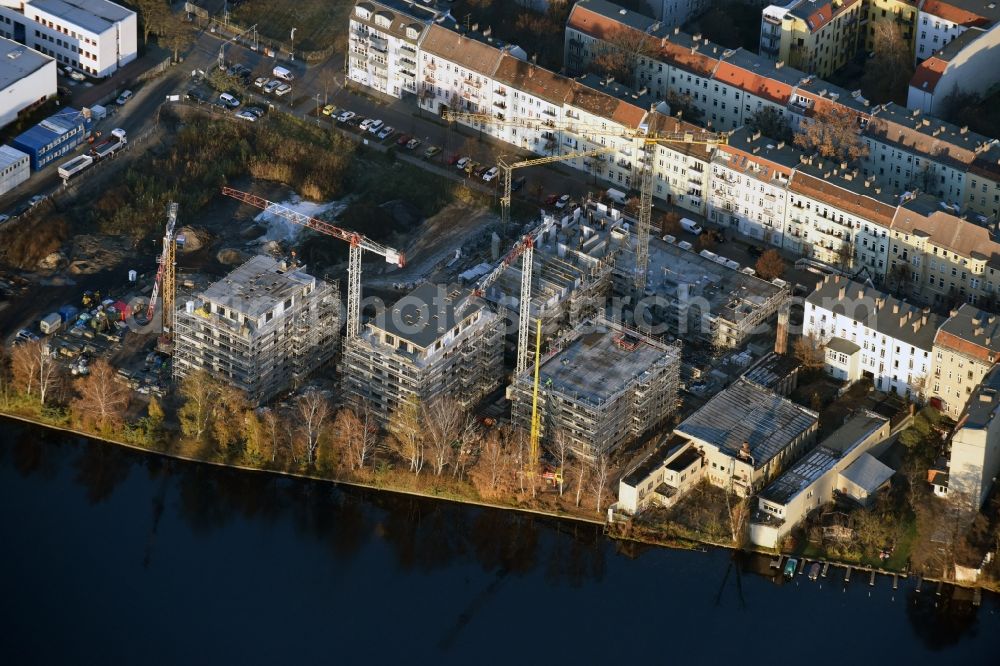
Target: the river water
(108, 556)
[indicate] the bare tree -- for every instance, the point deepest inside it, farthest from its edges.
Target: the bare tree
(831, 133)
(492, 472)
(357, 435)
(810, 352)
(200, 392)
(888, 74)
(601, 468)
(469, 443)
(560, 450)
(275, 431)
(24, 366)
(580, 480)
(312, 411)
(407, 433)
(103, 397)
(444, 421)
(620, 53)
(770, 265)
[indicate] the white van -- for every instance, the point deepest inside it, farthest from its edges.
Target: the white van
(691, 226)
(124, 97)
(617, 196)
(282, 73)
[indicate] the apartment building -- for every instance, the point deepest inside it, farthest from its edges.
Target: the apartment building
(27, 77)
(599, 387)
(966, 348)
(940, 22)
(96, 37)
(892, 340)
(436, 341)
(748, 435)
(383, 40)
(749, 186)
(263, 328)
(969, 63)
(816, 36)
(974, 459)
(901, 12)
(945, 259)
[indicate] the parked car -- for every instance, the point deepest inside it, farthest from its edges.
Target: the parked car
(35, 200)
(375, 126)
(431, 152)
(246, 115)
(329, 109)
(453, 159)
(255, 110)
(229, 100)
(462, 163)
(74, 74)
(479, 171)
(412, 144)
(261, 81)
(563, 200)
(4, 218)
(366, 124)
(271, 86)
(282, 89)
(491, 173)
(124, 98)
(345, 116)
(403, 140)
(518, 184)
(386, 132)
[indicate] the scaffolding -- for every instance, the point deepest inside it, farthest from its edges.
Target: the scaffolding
(598, 392)
(264, 327)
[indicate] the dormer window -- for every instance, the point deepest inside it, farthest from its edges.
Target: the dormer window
(363, 13)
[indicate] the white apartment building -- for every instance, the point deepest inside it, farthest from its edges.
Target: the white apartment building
(27, 77)
(383, 42)
(456, 71)
(94, 36)
(895, 338)
(749, 182)
(939, 22)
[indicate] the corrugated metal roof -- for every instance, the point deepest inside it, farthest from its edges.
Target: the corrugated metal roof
(49, 129)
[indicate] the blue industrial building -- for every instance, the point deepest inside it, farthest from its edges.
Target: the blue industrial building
(54, 137)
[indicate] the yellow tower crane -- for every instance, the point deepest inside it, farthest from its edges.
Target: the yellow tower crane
(645, 137)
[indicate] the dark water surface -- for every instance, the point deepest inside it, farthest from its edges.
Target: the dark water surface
(114, 557)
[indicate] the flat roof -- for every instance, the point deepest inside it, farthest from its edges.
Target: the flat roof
(10, 155)
(655, 459)
(854, 432)
(18, 61)
(50, 129)
(429, 312)
(801, 475)
(97, 16)
(843, 346)
(257, 287)
(601, 361)
(771, 369)
(745, 412)
(868, 472)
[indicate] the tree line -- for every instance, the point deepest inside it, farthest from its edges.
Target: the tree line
(435, 446)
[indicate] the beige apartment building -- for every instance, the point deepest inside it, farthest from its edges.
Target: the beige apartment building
(966, 347)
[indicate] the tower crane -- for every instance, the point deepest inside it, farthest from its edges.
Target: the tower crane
(357, 242)
(165, 277)
(645, 137)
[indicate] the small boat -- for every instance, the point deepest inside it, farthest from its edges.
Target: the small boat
(790, 567)
(814, 571)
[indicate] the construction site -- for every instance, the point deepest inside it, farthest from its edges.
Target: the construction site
(598, 387)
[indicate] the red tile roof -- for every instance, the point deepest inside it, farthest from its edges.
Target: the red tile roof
(533, 79)
(954, 14)
(753, 83)
(687, 58)
(928, 74)
(852, 202)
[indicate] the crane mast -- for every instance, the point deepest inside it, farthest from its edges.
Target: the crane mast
(356, 241)
(165, 285)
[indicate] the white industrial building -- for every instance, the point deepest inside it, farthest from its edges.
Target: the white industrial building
(891, 339)
(15, 168)
(27, 77)
(96, 37)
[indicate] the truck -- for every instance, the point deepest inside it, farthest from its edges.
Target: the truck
(75, 166)
(617, 196)
(111, 145)
(691, 226)
(50, 323)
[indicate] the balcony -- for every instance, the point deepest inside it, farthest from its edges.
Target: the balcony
(500, 104)
(379, 44)
(498, 115)
(472, 83)
(428, 78)
(430, 66)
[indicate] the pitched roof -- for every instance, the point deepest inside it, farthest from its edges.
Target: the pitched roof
(842, 198)
(928, 74)
(465, 51)
(962, 13)
(601, 19)
(868, 472)
(533, 79)
(972, 332)
(753, 83)
(601, 104)
(947, 231)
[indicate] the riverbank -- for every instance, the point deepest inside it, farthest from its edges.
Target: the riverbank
(666, 541)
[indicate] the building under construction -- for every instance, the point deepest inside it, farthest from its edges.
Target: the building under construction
(600, 386)
(436, 341)
(264, 328)
(696, 295)
(566, 286)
